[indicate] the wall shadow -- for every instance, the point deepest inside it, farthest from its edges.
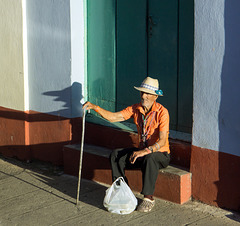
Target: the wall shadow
(70, 97)
(229, 121)
(44, 134)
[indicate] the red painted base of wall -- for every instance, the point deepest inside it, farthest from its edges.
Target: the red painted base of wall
(215, 178)
(33, 135)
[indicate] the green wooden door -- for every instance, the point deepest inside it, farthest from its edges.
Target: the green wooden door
(130, 39)
(101, 53)
(163, 51)
(131, 46)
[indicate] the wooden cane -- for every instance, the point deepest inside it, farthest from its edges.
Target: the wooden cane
(81, 155)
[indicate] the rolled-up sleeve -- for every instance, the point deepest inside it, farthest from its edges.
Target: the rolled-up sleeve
(164, 121)
(127, 113)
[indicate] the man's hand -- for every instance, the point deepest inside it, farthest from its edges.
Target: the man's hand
(88, 105)
(137, 154)
(108, 115)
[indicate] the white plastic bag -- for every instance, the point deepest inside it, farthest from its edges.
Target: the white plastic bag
(119, 198)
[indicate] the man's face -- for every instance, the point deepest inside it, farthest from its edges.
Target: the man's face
(147, 99)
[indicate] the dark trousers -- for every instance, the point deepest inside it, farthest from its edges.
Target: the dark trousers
(149, 165)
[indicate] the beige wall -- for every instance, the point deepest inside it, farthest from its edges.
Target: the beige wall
(11, 55)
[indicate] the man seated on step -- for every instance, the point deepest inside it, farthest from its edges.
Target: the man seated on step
(152, 121)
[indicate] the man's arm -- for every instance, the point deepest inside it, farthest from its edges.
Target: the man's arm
(161, 142)
(108, 115)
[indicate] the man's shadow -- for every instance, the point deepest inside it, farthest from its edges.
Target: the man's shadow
(71, 98)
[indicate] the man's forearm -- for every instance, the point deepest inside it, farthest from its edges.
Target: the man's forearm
(160, 143)
(108, 115)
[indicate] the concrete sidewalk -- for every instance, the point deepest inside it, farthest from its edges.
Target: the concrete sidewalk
(39, 194)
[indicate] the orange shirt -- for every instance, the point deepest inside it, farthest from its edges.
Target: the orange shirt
(159, 121)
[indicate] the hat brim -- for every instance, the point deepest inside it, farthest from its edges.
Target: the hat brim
(145, 90)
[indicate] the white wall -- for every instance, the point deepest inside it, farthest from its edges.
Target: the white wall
(55, 42)
(216, 34)
(77, 9)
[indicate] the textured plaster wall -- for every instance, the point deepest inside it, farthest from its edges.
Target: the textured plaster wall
(11, 55)
(208, 60)
(216, 76)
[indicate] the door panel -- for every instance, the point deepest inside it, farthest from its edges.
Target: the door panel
(131, 50)
(185, 62)
(101, 44)
(163, 52)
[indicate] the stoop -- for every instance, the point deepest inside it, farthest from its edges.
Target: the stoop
(173, 183)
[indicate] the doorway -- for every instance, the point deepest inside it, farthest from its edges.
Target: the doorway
(131, 39)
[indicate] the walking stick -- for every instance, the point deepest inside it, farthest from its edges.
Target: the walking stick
(81, 155)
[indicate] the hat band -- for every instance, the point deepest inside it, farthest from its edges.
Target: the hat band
(143, 85)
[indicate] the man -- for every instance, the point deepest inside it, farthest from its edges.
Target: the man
(152, 121)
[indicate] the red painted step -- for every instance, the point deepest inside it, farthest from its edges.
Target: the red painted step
(173, 183)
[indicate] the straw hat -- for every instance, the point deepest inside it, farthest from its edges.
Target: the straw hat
(150, 85)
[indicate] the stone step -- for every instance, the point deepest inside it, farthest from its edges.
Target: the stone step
(173, 183)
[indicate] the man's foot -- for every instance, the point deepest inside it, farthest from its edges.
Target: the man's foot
(146, 205)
